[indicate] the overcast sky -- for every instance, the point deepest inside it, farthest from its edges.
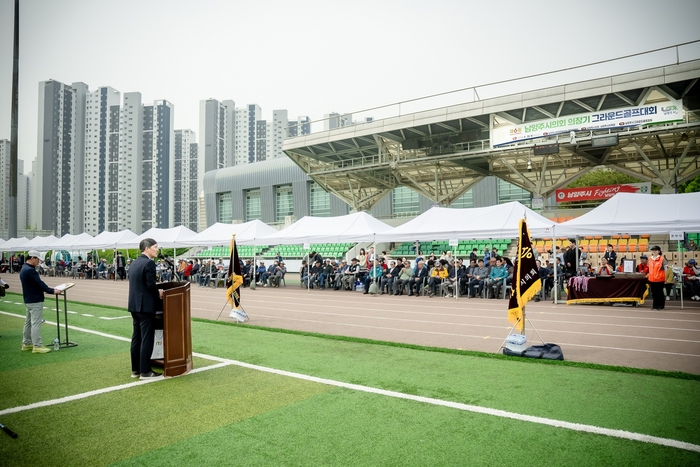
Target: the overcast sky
(315, 57)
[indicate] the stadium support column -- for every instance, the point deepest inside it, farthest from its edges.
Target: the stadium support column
(437, 183)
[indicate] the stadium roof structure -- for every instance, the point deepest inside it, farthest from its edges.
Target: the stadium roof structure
(442, 153)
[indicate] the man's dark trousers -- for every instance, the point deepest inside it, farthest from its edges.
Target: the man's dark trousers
(142, 341)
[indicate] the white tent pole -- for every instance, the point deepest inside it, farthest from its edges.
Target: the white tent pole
(554, 252)
(255, 268)
(681, 267)
(456, 286)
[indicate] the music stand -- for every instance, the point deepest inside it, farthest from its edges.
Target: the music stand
(63, 288)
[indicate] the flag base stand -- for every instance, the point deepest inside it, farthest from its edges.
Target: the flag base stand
(513, 328)
(544, 351)
(240, 315)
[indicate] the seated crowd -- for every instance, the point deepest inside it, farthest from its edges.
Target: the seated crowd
(431, 276)
(486, 275)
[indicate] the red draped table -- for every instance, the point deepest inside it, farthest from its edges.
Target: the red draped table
(629, 288)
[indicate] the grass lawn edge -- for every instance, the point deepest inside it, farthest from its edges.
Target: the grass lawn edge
(471, 353)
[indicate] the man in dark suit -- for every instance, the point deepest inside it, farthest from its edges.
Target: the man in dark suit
(121, 266)
(144, 300)
(419, 275)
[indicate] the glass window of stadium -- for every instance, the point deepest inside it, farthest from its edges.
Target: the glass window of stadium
(284, 203)
(225, 207)
(320, 201)
(253, 209)
(404, 202)
(464, 201)
(508, 192)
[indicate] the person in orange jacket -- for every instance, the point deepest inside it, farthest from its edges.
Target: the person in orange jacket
(657, 278)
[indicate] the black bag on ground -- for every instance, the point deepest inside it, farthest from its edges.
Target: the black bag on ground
(546, 351)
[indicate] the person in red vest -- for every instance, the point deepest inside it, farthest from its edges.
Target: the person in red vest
(643, 266)
(691, 281)
(657, 278)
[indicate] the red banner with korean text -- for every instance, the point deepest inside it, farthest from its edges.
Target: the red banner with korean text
(590, 193)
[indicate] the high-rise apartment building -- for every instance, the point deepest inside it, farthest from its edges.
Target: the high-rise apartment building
(245, 134)
(334, 120)
(157, 177)
(185, 195)
(276, 133)
(23, 197)
(101, 198)
(216, 135)
(59, 176)
(302, 126)
(23, 220)
(130, 163)
(260, 140)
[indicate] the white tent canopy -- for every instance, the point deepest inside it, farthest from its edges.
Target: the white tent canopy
(220, 234)
(69, 242)
(8, 245)
(166, 238)
(357, 227)
(109, 239)
(637, 214)
(499, 221)
(36, 243)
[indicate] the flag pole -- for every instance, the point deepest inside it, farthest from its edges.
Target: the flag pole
(255, 268)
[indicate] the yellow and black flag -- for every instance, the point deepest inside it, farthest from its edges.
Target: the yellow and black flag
(526, 278)
(234, 280)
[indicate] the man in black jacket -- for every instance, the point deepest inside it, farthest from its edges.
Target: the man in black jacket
(610, 256)
(33, 290)
(121, 266)
(419, 276)
(570, 259)
(144, 300)
(316, 270)
(390, 277)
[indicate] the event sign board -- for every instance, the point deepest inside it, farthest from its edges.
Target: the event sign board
(589, 193)
(677, 235)
(648, 114)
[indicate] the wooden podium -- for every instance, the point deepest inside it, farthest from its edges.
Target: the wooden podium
(177, 328)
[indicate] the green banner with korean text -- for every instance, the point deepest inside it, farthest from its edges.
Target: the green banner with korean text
(648, 114)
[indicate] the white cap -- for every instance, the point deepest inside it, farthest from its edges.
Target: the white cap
(34, 254)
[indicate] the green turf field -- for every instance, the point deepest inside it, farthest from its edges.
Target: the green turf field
(241, 416)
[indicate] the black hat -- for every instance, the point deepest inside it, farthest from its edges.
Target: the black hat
(656, 247)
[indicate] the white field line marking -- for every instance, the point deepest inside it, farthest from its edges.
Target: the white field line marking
(356, 387)
(485, 410)
(466, 311)
(498, 306)
(463, 335)
(96, 392)
(118, 317)
(85, 314)
(383, 318)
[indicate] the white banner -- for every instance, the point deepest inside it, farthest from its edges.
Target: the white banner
(651, 114)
